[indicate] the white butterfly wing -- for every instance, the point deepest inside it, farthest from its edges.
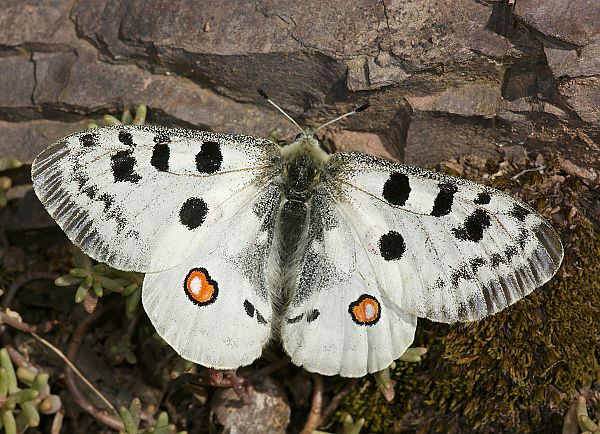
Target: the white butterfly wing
(388, 243)
(141, 198)
(442, 248)
(215, 308)
(339, 321)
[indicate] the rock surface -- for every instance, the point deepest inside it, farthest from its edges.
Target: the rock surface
(267, 413)
(429, 68)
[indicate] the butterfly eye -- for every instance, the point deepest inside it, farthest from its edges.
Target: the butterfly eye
(298, 136)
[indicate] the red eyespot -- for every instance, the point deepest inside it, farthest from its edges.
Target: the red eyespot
(366, 310)
(199, 287)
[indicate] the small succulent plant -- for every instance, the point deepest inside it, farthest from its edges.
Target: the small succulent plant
(96, 280)
(6, 163)
(20, 407)
(131, 420)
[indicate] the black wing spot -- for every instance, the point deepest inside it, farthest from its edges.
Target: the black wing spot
(209, 159)
(519, 212)
(510, 252)
(91, 191)
(161, 138)
(312, 315)
(523, 237)
(392, 246)
(81, 180)
(261, 319)
(496, 260)
(88, 140)
(473, 227)
(396, 189)
(107, 200)
(122, 165)
(126, 138)
(249, 308)
(476, 263)
(160, 157)
(443, 201)
(193, 212)
(295, 319)
(483, 198)
(461, 273)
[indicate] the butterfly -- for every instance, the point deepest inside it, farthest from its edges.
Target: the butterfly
(244, 241)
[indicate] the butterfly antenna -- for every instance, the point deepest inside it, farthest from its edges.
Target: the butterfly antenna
(265, 96)
(356, 110)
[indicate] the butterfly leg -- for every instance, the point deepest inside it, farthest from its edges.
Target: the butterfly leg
(243, 391)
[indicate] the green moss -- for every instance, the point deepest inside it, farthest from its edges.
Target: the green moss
(516, 371)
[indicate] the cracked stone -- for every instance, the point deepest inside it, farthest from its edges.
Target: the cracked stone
(352, 28)
(274, 45)
(96, 86)
(268, 412)
(574, 63)
(35, 23)
(357, 78)
(432, 139)
(245, 49)
(52, 75)
(201, 68)
(468, 100)
(383, 71)
(425, 32)
(574, 22)
(357, 141)
(529, 105)
(583, 95)
(17, 83)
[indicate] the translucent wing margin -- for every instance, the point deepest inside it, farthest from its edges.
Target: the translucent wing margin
(441, 247)
(140, 197)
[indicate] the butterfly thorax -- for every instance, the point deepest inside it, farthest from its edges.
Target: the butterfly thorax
(303, 163)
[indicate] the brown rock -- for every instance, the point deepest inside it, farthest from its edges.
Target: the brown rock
(200, 67)
(34, 23)
(433, 139)
(357, 141)
(468, 100)
(274, 44)
(574, 22)
(97, 86)
(575, 63)
(267, 413)
(357, 77)
(16, 83)
(429, 32)
(247, 47)
(52, 72)
(583, 95)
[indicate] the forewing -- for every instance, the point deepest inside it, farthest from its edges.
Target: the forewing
(215, 307)
(140, 197)
(443, 248)
(339, 321)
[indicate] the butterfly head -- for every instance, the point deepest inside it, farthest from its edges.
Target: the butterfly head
(307, 135)
(303, 162)
(307, 138)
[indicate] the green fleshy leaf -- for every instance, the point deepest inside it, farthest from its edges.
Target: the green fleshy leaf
(11, 376)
